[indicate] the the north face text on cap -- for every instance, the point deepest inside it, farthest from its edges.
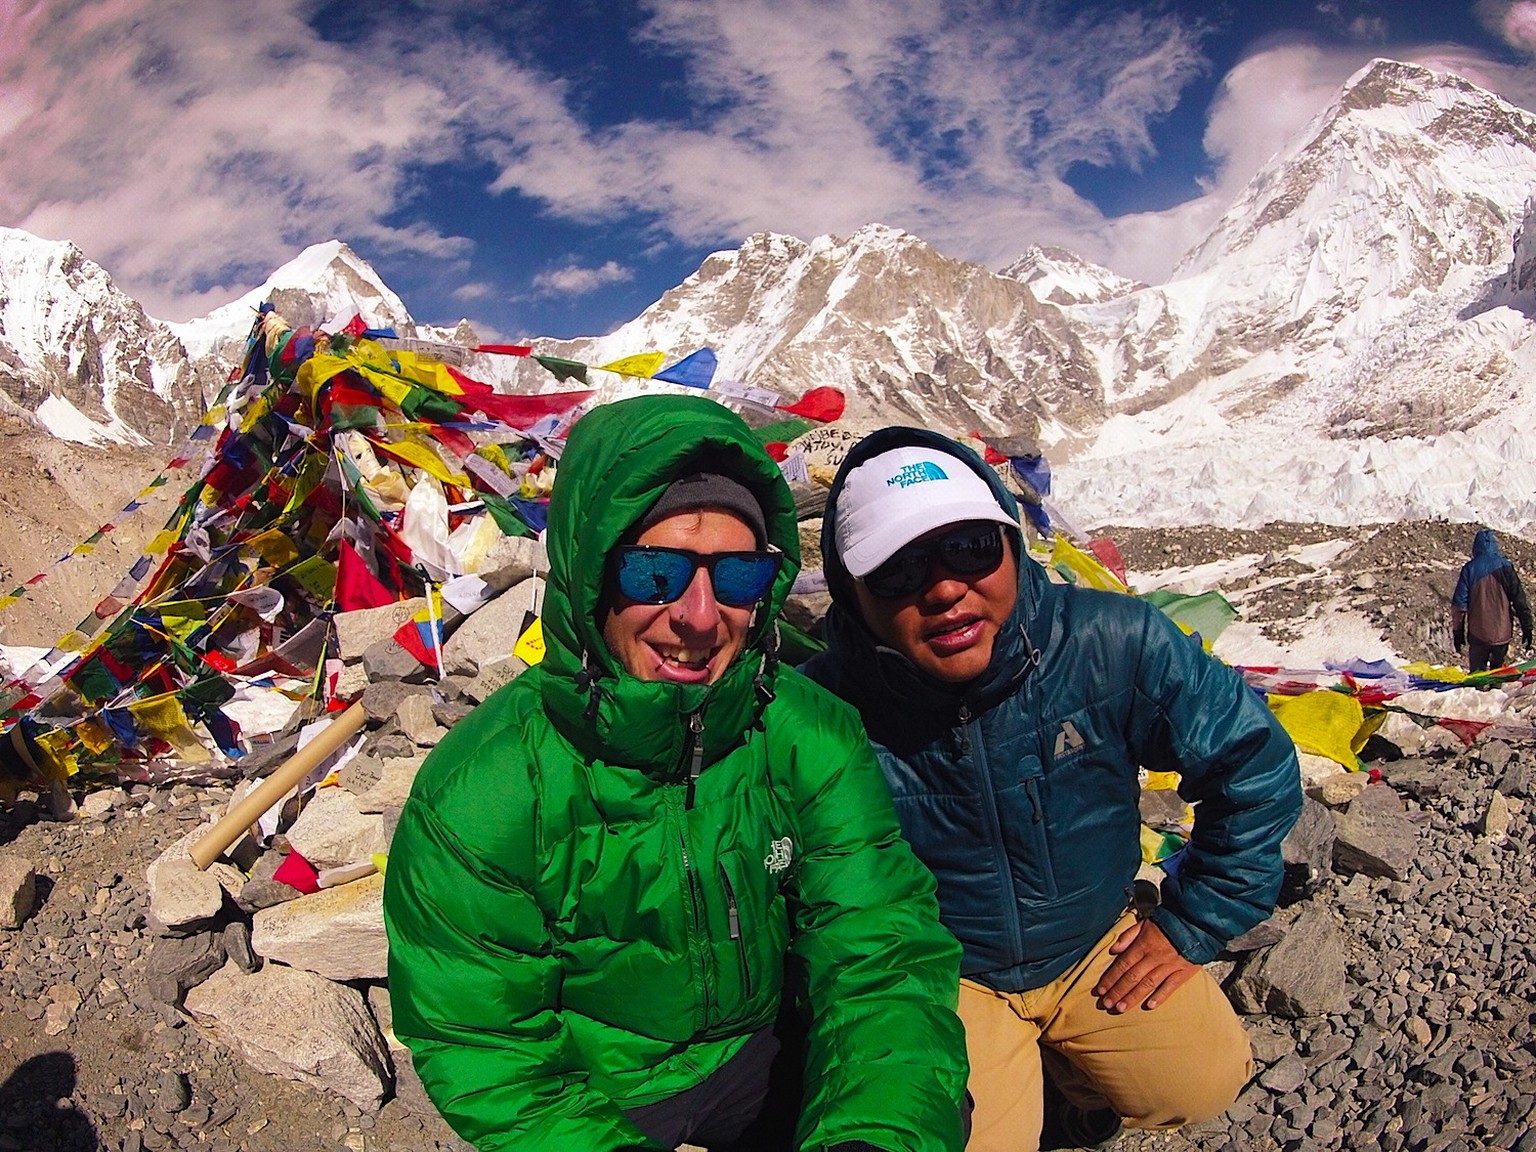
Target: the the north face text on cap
(916, 474)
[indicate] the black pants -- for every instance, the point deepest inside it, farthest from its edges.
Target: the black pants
(1483, 657)
(751, 1103)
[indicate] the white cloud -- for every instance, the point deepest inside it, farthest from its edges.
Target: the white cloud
(478, 290)
(180, 142)
(574, 280)
(192, 147)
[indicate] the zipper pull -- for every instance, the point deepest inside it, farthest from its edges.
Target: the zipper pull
(963, 740)
(734, 915)
(695, 745)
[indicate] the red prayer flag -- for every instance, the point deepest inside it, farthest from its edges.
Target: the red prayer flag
(356, 585)
(518, 411)
(1109, 556)
(297, 872)
(823, 405)
(505, 349)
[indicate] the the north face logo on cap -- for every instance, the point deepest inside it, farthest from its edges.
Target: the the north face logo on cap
(916, 474)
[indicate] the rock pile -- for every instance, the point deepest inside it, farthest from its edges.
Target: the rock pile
(1391, 1000)
(278, 950)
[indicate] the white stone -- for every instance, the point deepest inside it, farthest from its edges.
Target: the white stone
(393, 787)
(295, 1024)
(345, 874)
(513, 559)
(332, 830)
(1315, 769)
(494, 676)
(1342, 787)
(358, 630)
(18, 890)
(1495, 824)
(337, 933)
(98, 805)
(488, 635)
(181, 894)
(351, 681)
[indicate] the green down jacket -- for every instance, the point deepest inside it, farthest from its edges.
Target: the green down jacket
(576, 927)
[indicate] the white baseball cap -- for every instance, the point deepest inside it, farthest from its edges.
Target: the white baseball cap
(893, 498)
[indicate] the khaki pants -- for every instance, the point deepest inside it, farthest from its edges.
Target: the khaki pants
(1182, 1062)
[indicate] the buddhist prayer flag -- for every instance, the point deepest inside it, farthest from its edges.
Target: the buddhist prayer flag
(642, 364)
(695, 370)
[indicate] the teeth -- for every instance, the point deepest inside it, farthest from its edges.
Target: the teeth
(686, 656)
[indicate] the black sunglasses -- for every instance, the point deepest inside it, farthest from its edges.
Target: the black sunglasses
(661, 575)
(969, 550)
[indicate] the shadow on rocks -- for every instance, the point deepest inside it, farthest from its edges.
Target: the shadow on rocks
(35, 1110)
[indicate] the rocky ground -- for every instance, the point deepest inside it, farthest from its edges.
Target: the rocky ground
(1402, 1017)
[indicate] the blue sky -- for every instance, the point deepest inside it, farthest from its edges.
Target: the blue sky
(551, 168)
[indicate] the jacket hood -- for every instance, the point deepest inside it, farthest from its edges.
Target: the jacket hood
(1485, 545)
(845, 627)
(618, 461)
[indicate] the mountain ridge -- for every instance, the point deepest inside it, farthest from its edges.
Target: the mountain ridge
(1371, 288)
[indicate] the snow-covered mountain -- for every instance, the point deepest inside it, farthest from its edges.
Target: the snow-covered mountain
(84, 361)
(323, 287)
(1353, 339)
(80, 355)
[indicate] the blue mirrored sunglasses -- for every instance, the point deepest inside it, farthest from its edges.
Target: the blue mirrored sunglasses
(970, 550)
(662, 575)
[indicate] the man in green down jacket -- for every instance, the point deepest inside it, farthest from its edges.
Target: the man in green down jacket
(610, 874)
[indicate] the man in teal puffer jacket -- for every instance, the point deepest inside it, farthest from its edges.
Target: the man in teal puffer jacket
(1011, 716)
(610, 875)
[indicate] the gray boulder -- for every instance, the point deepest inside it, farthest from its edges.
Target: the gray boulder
(1303, 975)
(1375, 836)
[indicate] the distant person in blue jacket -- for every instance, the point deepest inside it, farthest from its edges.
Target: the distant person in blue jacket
(1011, 716)
(1488, 600)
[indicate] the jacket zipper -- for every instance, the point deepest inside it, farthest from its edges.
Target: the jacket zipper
(735, 922)
(698, 937)
(693, 752)
(995, 834)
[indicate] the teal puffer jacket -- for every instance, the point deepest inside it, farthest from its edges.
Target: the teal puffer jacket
(1020, 789)
(578, 925)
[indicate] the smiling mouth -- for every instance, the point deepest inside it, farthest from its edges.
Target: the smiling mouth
(691, 659)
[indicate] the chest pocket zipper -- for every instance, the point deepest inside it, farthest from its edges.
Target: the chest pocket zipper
(733, 915)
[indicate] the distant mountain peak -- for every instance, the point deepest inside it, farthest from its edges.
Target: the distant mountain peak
(325, 285)
(1058, 276)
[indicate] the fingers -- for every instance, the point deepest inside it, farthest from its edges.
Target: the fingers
(1147, 970)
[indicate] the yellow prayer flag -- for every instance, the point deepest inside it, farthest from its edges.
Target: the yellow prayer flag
(428, 372)
(316, 576)
(530, 645)
(58, 762)
(415, 451)
(1324, 723)
(1086, 569)
(273, 546)
(642, 364)
(162, 717)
